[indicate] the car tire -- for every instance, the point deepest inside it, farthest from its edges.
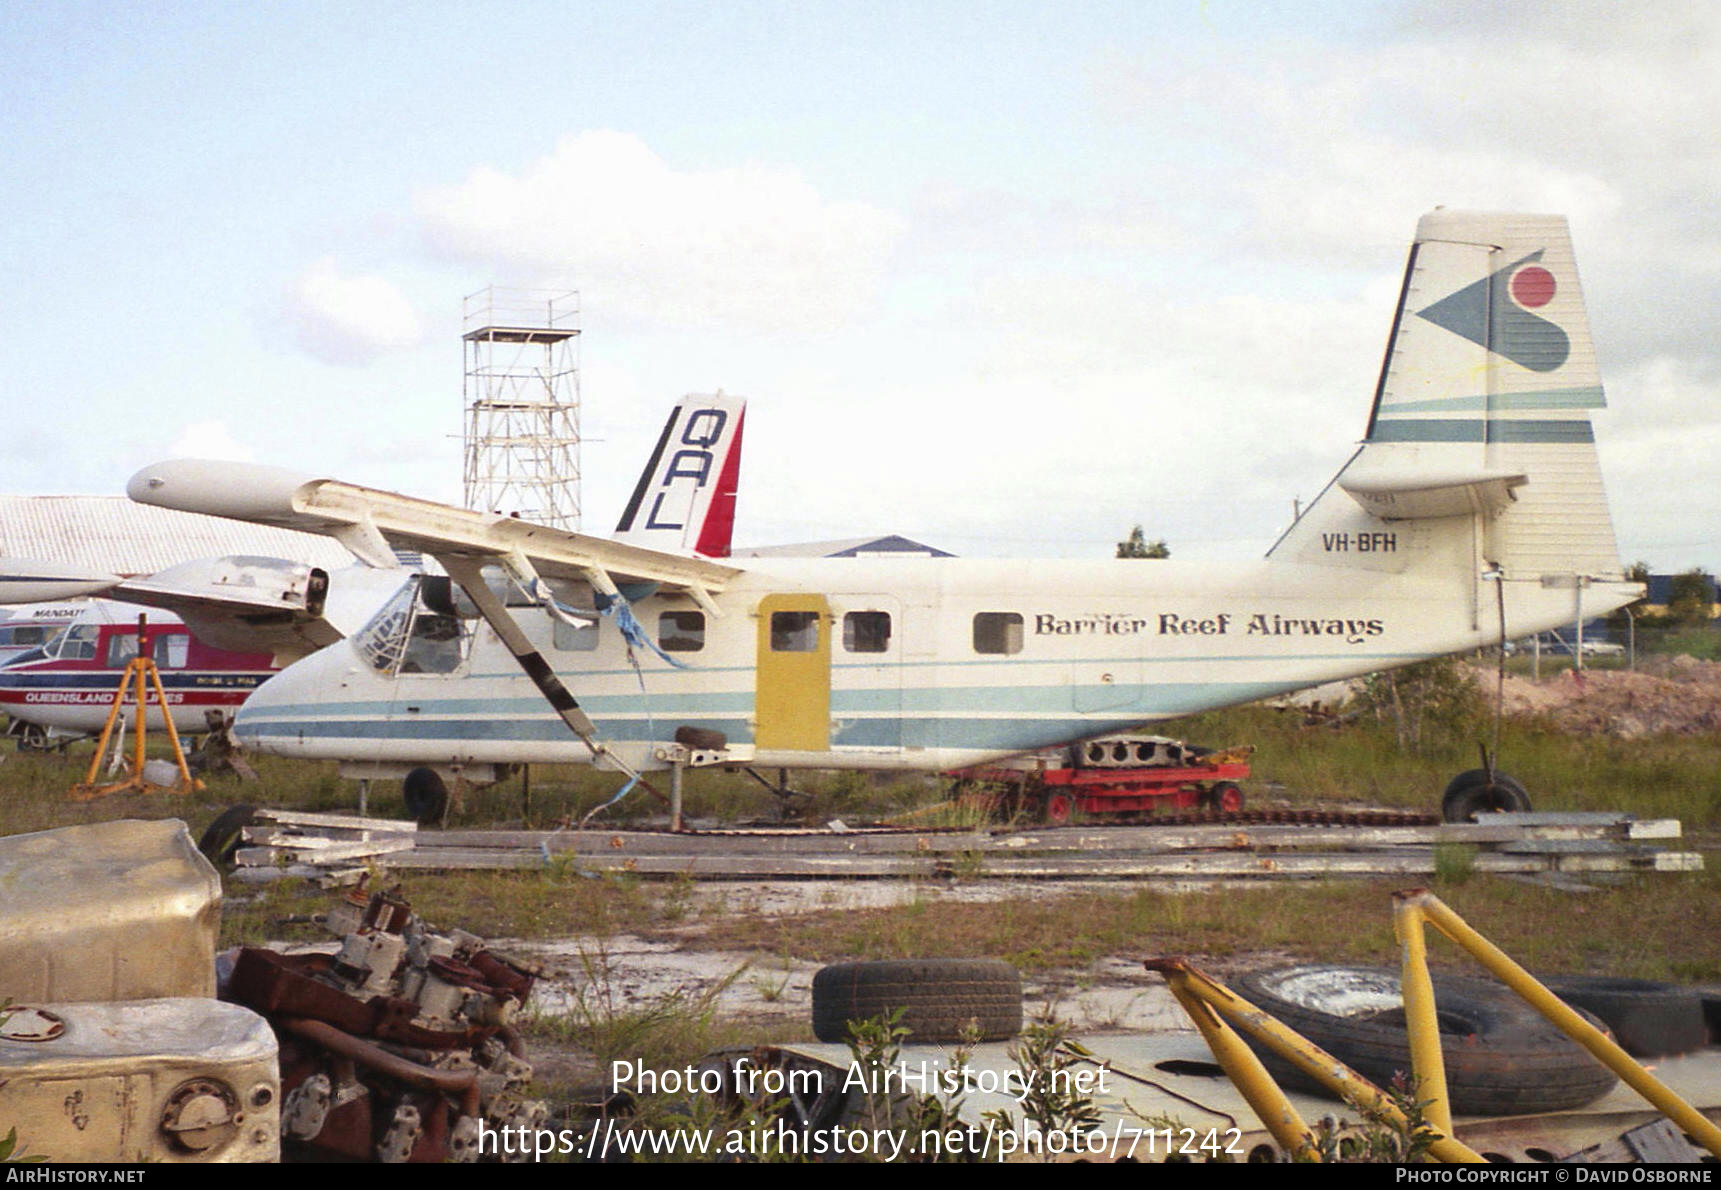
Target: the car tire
(1649, 1019)
(941, 999)
(1501, 1056)
(222, 838)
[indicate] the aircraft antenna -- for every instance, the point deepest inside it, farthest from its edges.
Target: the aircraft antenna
(522, 398)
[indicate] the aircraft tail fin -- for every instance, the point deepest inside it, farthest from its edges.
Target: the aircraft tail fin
(1482, 410)
(685, 499)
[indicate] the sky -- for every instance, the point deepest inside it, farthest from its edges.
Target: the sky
(1009, 278)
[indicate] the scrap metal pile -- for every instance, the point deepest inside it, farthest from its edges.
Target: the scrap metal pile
(399, 1047)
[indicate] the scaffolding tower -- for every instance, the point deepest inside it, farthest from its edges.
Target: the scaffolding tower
(522, 397)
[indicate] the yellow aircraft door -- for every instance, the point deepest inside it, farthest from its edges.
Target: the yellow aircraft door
(792, 682)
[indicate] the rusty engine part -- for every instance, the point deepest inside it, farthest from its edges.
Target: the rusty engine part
(400, 1046)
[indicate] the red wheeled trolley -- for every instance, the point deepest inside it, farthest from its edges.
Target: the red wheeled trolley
(1119, 775)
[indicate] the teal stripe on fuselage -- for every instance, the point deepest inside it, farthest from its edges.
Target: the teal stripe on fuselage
(1054, 719)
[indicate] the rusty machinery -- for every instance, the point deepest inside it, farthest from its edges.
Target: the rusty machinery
(399, 1047)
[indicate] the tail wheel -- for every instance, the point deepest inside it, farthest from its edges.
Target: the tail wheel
(1060, 808)
(1471, 793)
(1226, 797)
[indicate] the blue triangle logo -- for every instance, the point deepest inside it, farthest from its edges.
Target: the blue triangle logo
(1491, 313)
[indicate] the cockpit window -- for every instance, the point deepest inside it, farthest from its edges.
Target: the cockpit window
(410, 638)
(434, 644)
(382, 641)
(77, 643)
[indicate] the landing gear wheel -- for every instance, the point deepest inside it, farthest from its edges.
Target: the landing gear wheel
(1226, 797)
(221, 839)
(1501, 1057)
(33, 738)
(940, 999)
(426, 796)
(1060, 809)
(1471, 793)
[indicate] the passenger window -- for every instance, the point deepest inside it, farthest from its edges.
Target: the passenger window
(866, 632)
(997, 632)
(170, 651)
(576, 638)
(121, 649)
(681, 632)
(794, 632)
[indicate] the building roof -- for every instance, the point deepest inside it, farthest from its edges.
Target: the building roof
(853, 547)
(114, 535)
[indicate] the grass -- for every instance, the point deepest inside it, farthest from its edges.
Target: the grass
(1655, 927)
(1652, 927)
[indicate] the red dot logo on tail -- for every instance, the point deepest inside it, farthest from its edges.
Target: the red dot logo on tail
(1533, 286)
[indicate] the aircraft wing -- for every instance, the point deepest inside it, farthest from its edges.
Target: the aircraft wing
(369, 521)
(28, 580)
(244, 604)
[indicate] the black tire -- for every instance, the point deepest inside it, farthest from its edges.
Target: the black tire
(426, 796)
(33, 737)
(939, 998)
(1471, 793)
(222, 838)
(1060, 809)
(701, 739)
(1648, 1019)
(1501, 1056)
(1225, 797)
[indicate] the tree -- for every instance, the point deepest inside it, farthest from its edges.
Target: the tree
(1138, 546)
(1691, 599)
(1637, 572)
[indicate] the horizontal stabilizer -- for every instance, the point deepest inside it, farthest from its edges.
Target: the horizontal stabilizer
(1399, 494)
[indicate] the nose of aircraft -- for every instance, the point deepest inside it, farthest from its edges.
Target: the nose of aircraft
(307, 703)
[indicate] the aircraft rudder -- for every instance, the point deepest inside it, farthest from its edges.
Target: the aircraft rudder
(1484, 399)
(685, 498)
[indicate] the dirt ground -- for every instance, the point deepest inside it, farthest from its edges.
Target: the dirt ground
(1680, 695)
(631, 974)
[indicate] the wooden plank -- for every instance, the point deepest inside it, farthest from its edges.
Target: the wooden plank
(342, 821)
(1082, 840)
(319, 851)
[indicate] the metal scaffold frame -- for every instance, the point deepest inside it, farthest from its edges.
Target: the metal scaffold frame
(522, 398)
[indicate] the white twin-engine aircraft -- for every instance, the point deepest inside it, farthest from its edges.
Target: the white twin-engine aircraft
(1471, 513)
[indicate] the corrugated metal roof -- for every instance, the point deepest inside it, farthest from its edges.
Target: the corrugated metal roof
(112, 534)
(850, 547)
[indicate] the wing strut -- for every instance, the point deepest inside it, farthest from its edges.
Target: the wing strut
(468, 572)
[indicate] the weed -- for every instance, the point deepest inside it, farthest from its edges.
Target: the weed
(1380, 1138)
(924, 1123)
(1052, 1100)
(1454, 863)
(666, 1033)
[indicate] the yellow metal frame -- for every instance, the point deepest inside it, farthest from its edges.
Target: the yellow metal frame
(1416, 908)
(142, 671)
(1214, 1008)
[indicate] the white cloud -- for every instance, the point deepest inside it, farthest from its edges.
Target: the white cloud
(749, 247)
(349, 320)
(210, 440)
